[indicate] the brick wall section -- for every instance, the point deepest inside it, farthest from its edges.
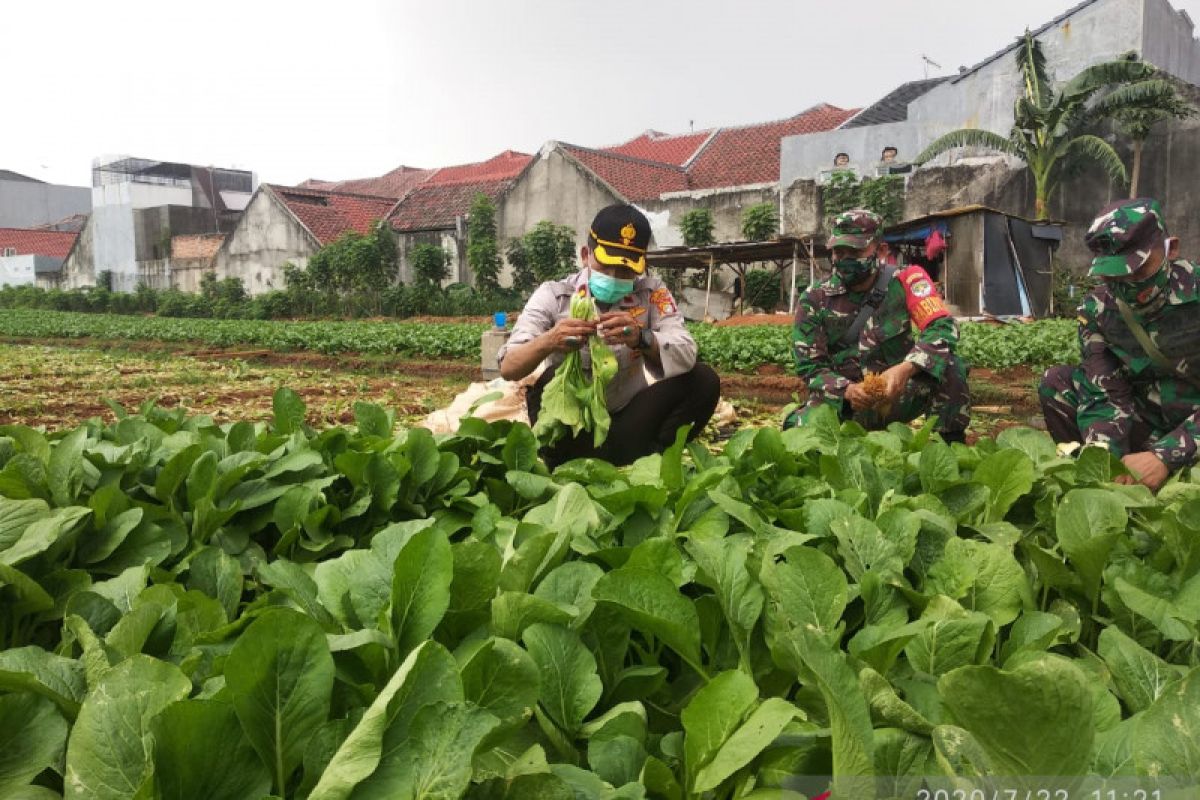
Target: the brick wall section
(198, 246)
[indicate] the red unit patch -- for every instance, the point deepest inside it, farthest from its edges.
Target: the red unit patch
(924, 303)
(663, 301)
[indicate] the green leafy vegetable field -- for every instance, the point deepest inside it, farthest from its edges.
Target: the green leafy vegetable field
(194, 610)
(739, 349)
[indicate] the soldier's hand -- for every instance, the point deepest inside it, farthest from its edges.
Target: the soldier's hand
(1148, 468)
(897, 378)
(858, 398)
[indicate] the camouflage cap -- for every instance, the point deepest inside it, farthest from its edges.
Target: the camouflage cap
(855, 228)
(1123, 235)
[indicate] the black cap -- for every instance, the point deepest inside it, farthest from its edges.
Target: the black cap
(620, 236)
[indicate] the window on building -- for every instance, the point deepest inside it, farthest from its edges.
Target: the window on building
(10, 251)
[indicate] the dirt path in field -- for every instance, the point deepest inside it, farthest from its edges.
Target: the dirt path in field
(60, 382)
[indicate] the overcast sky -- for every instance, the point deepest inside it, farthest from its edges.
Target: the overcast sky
(354, 88)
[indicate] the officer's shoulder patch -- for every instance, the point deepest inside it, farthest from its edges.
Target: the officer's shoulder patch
(662, 300)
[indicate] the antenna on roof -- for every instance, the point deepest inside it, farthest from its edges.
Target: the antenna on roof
(929, 62)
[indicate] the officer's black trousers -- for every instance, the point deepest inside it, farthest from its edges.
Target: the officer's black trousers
(649, 422)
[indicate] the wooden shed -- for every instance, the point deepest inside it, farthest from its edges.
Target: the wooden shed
(993, 263)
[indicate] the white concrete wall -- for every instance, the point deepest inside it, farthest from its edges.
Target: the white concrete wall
(17, 270)
(150, 195)
(457, 269)
(266, 237)
(77, 270)
(552, 188)
(984, 98)
(811, 156)
(114, 242)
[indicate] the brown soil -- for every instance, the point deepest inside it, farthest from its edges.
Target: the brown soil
(764, 388)
(346, 361)
(756, 319)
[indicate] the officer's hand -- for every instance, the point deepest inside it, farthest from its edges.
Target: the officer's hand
(858, 398)
(569, 334)
(897, 378)
(619, 327)
(1148, 469)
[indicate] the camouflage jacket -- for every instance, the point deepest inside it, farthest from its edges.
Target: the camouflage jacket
(828, 309)
(1117, 370)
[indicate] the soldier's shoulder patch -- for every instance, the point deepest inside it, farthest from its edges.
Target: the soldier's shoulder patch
(661, 299)
(924, 303)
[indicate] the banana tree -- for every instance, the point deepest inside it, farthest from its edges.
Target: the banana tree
(1136, 123)
(1051, 124)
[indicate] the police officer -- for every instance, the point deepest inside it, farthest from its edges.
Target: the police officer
(873, 317)
(659, 385)
(1137, 388)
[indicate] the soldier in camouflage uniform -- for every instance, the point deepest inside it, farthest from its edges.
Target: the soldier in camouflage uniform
(1139, 402)
(909, 339)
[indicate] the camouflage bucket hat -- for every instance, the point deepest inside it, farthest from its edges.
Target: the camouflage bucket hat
(1123, 235)
(856, 228)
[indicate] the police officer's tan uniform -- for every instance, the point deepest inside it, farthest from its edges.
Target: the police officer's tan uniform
(650, 303)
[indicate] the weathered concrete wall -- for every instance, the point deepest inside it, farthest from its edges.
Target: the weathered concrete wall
(1170, 173)
(802, 211)
(114, 241)
(552, 188)
(154, 227)
(155, 273)
(25, 204)
(1168, 40)
(984, 97)
(812, 155)
(265, 238)
(726, 205)
(450, 242)
(187, 272)
(79, 269)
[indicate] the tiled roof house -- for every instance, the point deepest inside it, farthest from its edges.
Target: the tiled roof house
(287, 224)
(31, 242)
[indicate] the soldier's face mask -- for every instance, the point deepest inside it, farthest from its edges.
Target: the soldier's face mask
(855, 267)
(608, 289)
(1146, 290)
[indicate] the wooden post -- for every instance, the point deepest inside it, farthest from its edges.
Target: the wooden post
(795, 263)
(708, 289)
(812, 263)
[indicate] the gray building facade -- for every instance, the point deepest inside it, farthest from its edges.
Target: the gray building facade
(29, 203)
(1090, 33)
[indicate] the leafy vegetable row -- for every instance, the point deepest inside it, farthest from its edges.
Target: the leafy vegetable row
(739, 349)
(202, 611)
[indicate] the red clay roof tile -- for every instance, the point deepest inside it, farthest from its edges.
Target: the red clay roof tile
(634, 178)
(435, 206)
(27, 242)
(662, 147)
(395, 184)
(750, 154)
(505, 165)
(330, 214)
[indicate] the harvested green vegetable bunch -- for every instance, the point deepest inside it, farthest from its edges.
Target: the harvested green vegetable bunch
(571, 401)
